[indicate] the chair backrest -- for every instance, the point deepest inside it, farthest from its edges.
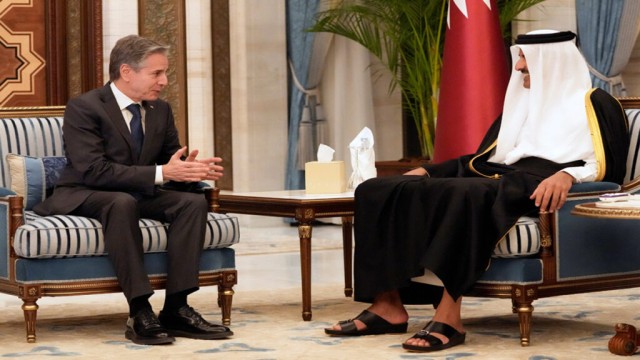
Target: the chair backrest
(632, 108)
(32, 131)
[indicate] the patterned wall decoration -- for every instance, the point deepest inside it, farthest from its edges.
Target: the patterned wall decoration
(22, 50)
(83, 46)
(74, 44)
(223, 140)
(50, 50)
(164, 21)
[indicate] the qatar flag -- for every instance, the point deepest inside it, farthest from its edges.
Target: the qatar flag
(473, 80)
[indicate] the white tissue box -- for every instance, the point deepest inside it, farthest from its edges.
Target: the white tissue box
(325, 177)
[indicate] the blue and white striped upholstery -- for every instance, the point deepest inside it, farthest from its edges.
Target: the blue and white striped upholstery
(64, 236)
(523, 239)
(37, 137)
(633, 159)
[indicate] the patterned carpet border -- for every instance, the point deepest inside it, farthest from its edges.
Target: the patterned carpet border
(268, 325)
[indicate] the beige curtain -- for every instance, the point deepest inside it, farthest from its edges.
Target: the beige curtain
(355, 94)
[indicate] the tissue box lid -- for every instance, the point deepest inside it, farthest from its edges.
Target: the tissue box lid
(325, 177)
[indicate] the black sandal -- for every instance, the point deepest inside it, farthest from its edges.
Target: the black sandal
(375, 326)
(455, 337)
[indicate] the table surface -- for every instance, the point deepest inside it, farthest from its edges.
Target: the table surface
(600, 210)
(288, 194)
(287, 203)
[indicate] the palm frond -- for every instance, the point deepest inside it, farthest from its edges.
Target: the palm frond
(509, 10)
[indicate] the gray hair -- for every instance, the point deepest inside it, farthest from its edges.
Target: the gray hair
(132, 50)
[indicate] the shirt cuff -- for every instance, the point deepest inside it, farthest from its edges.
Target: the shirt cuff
(582, 174)
(159, 177)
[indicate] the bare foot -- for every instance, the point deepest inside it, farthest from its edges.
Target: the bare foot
(424, 343)
(435, 336)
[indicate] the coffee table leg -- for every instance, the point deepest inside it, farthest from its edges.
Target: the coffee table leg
(304, 231)
(347, 237)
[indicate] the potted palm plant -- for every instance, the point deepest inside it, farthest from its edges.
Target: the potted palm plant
(408, 38)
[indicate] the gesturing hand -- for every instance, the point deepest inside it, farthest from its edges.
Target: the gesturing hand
(191, 169)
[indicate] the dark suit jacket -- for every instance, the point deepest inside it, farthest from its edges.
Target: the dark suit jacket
(100, 150)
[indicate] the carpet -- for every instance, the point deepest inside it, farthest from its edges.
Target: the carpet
(268, 325)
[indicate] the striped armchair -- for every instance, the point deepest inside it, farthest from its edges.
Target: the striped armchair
(576, 254)
(64, 255)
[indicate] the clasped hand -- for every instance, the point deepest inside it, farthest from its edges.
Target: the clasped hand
(191, 169)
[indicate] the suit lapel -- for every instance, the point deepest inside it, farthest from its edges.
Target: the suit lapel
(151, 125)
(114, 114)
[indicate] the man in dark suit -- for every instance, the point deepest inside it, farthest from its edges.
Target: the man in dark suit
(121, 145)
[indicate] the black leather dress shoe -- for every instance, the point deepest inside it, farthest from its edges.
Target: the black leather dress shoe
(145, 329)
(186, 322)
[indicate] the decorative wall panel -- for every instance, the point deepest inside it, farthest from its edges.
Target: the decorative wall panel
(83, 46)
(44, 41)
(164, 21)
(222, 88)
(22, 50)
(74, 44)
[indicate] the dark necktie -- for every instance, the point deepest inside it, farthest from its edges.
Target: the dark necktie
(136, 127)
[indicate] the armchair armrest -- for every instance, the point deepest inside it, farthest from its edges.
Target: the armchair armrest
(6, 192)
(578, 192)
(593, 188)
(211, 193)
(213, 196)
(197, 187)
(11, 217)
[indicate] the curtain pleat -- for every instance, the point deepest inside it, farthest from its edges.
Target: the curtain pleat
(627, 35)
(307, 53)
(300, 14)
(607, 30)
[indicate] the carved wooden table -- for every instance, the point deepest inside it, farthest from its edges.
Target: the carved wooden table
(591, 209)
(305, 209)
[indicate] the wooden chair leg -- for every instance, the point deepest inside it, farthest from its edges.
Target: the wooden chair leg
(525, 311)
(225, 295)
(30, 309)
(225, 299)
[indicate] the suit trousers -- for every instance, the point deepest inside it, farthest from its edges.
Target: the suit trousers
(119, 212)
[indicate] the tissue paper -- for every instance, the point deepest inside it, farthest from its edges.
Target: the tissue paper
(325, 176)
(325, 153)
(363, 158)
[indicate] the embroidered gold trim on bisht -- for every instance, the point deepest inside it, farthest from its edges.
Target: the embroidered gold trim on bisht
(494, 176)
(596, 137)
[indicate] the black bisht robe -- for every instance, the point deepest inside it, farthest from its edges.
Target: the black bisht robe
(451, 221)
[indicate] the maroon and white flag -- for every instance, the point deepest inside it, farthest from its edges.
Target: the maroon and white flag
(473, 80)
